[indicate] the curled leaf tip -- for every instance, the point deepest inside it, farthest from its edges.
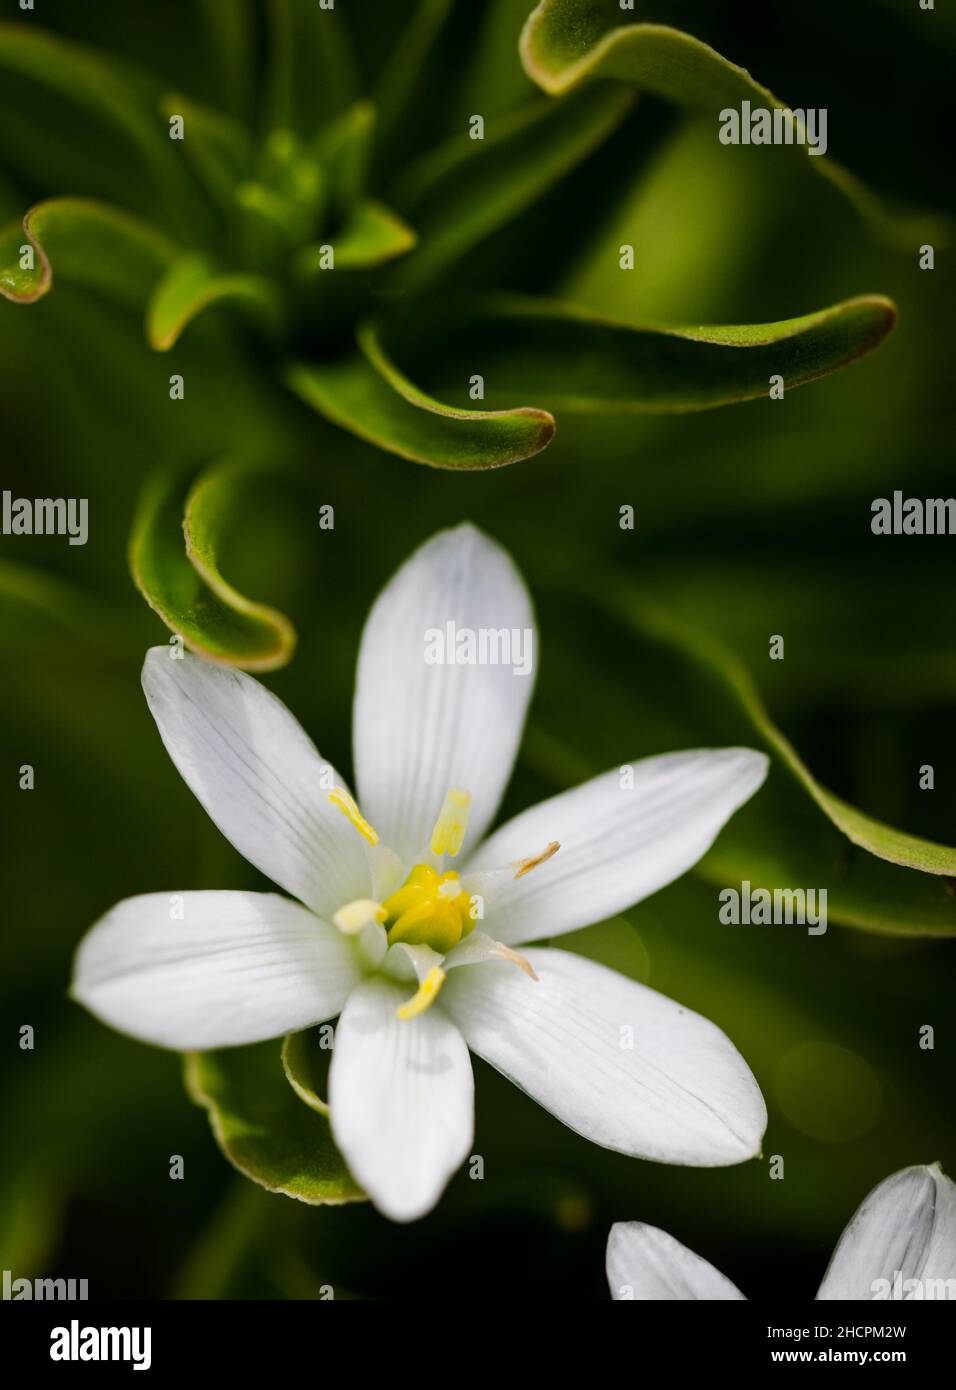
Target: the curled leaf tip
(183, 584)
(567, 358)
(192, 285)
(368, 395)
(567, 43)
(90, 243)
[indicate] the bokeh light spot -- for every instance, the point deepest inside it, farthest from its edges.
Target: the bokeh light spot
(828, 1092)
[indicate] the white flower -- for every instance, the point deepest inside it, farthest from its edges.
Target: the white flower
(384, 934)
(901, 1244)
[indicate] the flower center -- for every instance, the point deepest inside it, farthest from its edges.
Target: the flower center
(429, 909)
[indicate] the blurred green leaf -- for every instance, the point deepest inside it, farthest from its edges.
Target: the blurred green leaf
(344, 148)
(30, 1212)
(794, 833)
(99, 87)
(45, 611)
(192, 285)
(232, 1247)
(270, 224)
(312, 72)
(219, 147)
(86, 243)
(398, 83)
(371, 236)
(185, 586)
(568, 42)
(679, 276)
(366, 394)
(264, 1129)
(460, 192)
(884, 841)
(570, 359)
(231, 28)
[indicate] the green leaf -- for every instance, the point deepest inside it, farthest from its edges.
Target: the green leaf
(185, 586)
(458, 194)
(668, 196)
(373, 235)
(566, 43)
(230, 26)
(694, 692)
(344, 148)
(264, 1129)
(494, 81)
(365, 393)
(270, 225)
(103, 90)
(219, 148)
(311, 73)
(192, 285)
(87, 243)
(883, 841)
(300, 1062)
(569, 359)
(41, 611)
(403, 73)
(290, 167)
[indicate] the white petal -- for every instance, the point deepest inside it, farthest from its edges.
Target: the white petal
(258, 776)
(619, 842)
(195, 970)
(645, 1263)
(618, 1063)
(402, 1099)
(905, 1229)
(421, 729)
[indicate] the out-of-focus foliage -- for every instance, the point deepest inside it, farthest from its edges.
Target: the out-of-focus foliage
(748, 523)
(272, 195)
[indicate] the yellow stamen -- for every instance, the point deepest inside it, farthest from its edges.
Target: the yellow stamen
(354, 917)
(425, 995)
(524, 866)
(450, 827)
(341, 800)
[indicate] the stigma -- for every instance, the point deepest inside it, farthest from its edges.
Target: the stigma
(424, 996)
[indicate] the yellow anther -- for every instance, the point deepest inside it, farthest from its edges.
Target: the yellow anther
(450, 827)
(524, 866)
(434, 923)
(354, 917)
(428, 910)
(425, 995)
(341, 800)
